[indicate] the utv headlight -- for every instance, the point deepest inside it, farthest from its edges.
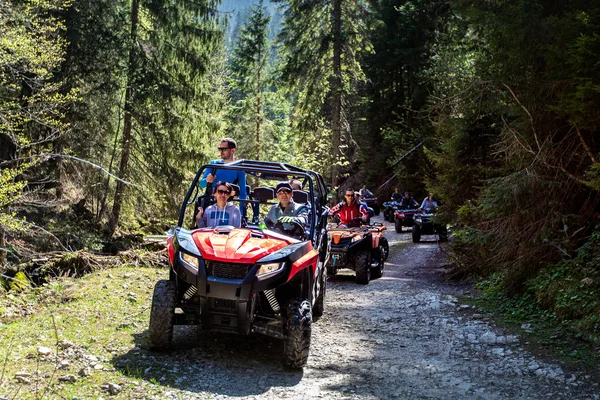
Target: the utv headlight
(191, 260)
(270, 268)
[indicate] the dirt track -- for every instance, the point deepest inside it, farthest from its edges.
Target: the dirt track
(402, 336)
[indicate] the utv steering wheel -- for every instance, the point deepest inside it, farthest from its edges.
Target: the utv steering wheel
(297, 231)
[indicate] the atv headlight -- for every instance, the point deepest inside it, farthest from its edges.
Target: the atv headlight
(191, 260)
(356, 238)
(270, 268)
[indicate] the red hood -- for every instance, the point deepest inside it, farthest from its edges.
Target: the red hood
(238, 245)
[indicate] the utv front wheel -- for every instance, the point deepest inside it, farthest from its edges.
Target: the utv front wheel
(162, 315)
(298, 330)
(362, 266)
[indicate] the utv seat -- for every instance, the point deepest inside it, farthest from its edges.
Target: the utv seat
(260, 195)
(300, 196)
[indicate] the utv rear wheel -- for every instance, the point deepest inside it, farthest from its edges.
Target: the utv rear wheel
(362, 266)
(416, 233)
(398, 225)
(162, 315)
(298, 330)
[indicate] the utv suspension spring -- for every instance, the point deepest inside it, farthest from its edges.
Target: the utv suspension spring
(270, 295)
(190, 292)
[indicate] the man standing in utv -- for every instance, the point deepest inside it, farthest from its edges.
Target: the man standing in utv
(227, 148)
(350, 211)
(287, 211)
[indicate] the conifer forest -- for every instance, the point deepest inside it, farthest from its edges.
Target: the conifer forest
(109, 107)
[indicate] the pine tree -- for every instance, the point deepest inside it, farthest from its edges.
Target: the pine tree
(249, 64)
(322, 42)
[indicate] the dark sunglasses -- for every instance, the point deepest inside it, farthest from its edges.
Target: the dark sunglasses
(222, 148)
(348, 195)
(286, 191)
(223, 191)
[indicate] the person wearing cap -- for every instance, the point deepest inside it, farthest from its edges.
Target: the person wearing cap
(287, 212)
(221, 213)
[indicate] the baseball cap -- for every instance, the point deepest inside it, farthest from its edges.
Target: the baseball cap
(283, 185)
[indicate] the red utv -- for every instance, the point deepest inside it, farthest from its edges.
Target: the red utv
(249, 279)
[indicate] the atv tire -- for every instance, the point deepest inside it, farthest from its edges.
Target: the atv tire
(398, 225)
(385, 247)
(362, 266)
(376, 209)
(297, 334)
(416, 234)
(162, 315)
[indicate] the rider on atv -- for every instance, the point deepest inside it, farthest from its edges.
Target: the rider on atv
(287, 216)
(429, 203)
(350, 211)
(408, 201)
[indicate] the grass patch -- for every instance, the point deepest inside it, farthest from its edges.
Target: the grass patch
(88, 327)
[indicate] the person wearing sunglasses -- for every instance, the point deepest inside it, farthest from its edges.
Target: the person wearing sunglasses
(350, 211)
(221, 213)
(227, 149)
(289, 214)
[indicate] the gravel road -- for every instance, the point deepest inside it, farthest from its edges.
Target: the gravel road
(403, 336)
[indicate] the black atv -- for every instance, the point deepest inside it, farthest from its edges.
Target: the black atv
(424, 225)
(389, 209)
(372, 203)
(249, 279)
(362, 249)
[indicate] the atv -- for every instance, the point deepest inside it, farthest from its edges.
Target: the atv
(362, 249)
(250, 279)
(389, 209)
(372, 203)
(424, 225)
(404, 217)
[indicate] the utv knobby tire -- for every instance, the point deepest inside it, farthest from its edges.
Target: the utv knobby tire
(416, 234)
(162, 315)
(297, 334)
(319, 307)
(362, 266)
(398, 225)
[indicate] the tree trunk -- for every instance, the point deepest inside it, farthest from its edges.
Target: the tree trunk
(258, 102)
(127, 122)
(336, 93)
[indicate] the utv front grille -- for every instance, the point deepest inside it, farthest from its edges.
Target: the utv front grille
(223, 305)
(227, 270)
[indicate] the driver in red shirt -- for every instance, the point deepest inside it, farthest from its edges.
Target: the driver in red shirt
(350, 211)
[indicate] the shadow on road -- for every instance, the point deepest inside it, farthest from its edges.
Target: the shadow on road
(216, 363)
